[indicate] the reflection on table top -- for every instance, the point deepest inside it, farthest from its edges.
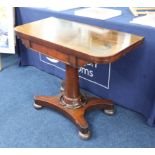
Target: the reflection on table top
(90, 40)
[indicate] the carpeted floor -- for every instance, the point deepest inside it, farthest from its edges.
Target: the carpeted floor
(23, 126)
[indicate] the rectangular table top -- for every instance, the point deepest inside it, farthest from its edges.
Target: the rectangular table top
(81, 39)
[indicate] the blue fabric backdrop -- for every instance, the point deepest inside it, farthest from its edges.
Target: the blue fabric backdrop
(128, 81)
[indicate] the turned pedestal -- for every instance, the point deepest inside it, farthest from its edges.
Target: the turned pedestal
(73, 104)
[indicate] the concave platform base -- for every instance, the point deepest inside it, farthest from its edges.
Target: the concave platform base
(77, 115)
(72, 103)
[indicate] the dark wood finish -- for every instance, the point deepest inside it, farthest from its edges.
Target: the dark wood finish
(88, 43)
(75, 44)
(76, 115)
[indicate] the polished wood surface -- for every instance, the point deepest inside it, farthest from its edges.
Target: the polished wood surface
(75, 44)
(90, 42)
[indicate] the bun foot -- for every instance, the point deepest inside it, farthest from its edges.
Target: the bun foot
(84, 136)
(36, 106)
(109, 112)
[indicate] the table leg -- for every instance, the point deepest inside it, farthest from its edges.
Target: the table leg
(72, 104)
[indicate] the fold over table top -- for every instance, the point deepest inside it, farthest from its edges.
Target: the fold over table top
(84, 41)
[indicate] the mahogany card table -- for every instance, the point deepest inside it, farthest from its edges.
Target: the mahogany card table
(76, 45)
